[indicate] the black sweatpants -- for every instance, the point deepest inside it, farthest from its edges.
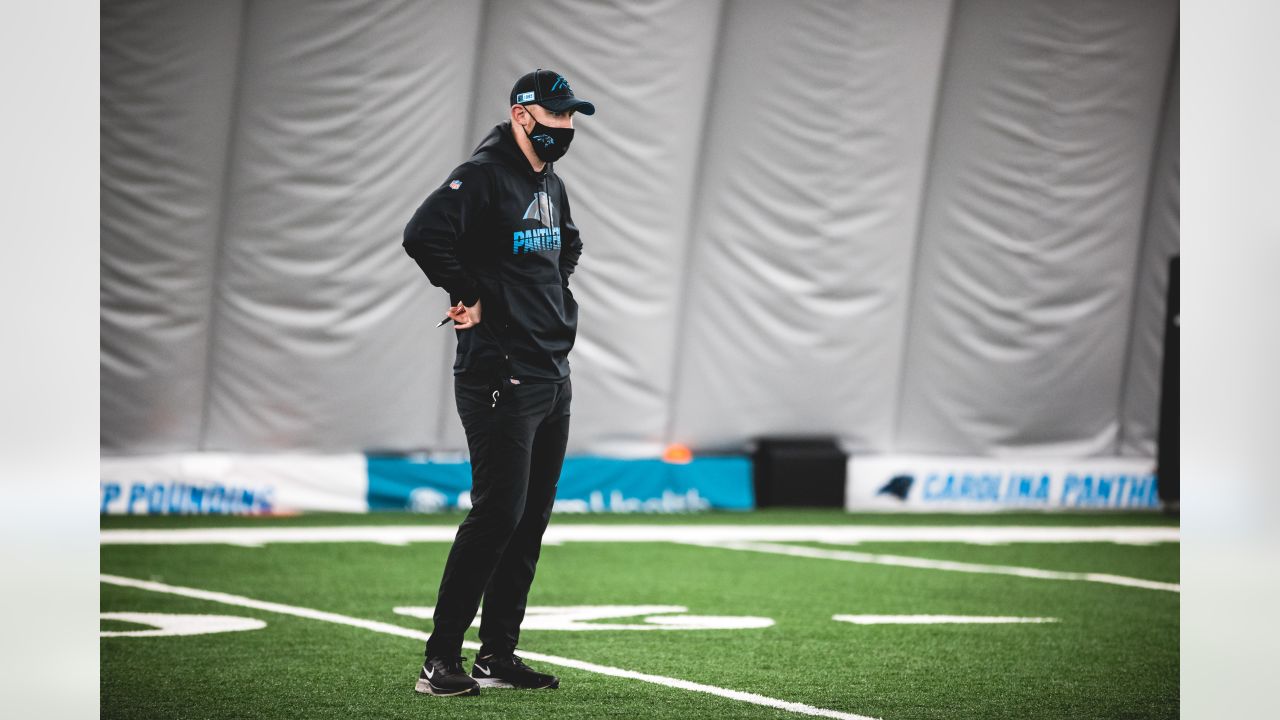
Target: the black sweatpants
(517, 449)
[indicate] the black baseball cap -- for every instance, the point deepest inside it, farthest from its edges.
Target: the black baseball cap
(549, 89)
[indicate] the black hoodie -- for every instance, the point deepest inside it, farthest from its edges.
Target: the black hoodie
(499, 231)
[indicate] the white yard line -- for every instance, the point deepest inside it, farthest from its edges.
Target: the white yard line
(925, 564)
(937, 619)
(389, 629)
(557, 534)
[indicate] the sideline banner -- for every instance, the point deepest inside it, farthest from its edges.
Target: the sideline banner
(225, 483)
(932, 483)
(231, 484)
(587, 484)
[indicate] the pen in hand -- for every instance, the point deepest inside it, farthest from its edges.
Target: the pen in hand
(464, 316)
(447, 318)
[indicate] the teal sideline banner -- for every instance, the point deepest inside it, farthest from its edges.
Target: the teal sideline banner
(587, 484)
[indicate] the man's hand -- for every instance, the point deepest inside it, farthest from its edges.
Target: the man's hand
(465, 317)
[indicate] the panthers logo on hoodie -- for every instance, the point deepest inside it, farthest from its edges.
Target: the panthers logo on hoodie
(539, 239)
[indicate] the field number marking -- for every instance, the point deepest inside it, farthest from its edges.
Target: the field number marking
(578, 617)
(167, 625)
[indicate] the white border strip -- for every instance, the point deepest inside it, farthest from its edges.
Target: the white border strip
(938, 619)
(389, 629)
(923, 563)
(556, 534)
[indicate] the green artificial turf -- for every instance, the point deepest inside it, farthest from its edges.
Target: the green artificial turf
(1113, 655)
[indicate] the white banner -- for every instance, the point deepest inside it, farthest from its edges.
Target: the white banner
(224, 483)
(948, 484)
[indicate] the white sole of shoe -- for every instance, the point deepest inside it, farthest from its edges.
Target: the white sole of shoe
(425, 687)
(496, 683)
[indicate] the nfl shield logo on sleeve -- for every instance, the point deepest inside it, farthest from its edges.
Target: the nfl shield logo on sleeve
(455, 184)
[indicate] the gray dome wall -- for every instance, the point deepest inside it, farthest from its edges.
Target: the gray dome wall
(922, 226)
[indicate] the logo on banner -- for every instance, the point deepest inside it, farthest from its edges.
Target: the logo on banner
(427, 500)
(898, 486)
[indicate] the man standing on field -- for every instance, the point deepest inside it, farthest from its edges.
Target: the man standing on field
(499, 237)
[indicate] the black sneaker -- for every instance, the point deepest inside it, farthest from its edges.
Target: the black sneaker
(509, 671)
(444, 676)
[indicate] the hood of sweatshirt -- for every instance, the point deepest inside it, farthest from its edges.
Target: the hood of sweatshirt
(499, 146)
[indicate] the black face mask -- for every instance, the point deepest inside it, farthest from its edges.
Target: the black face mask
(549, 143)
